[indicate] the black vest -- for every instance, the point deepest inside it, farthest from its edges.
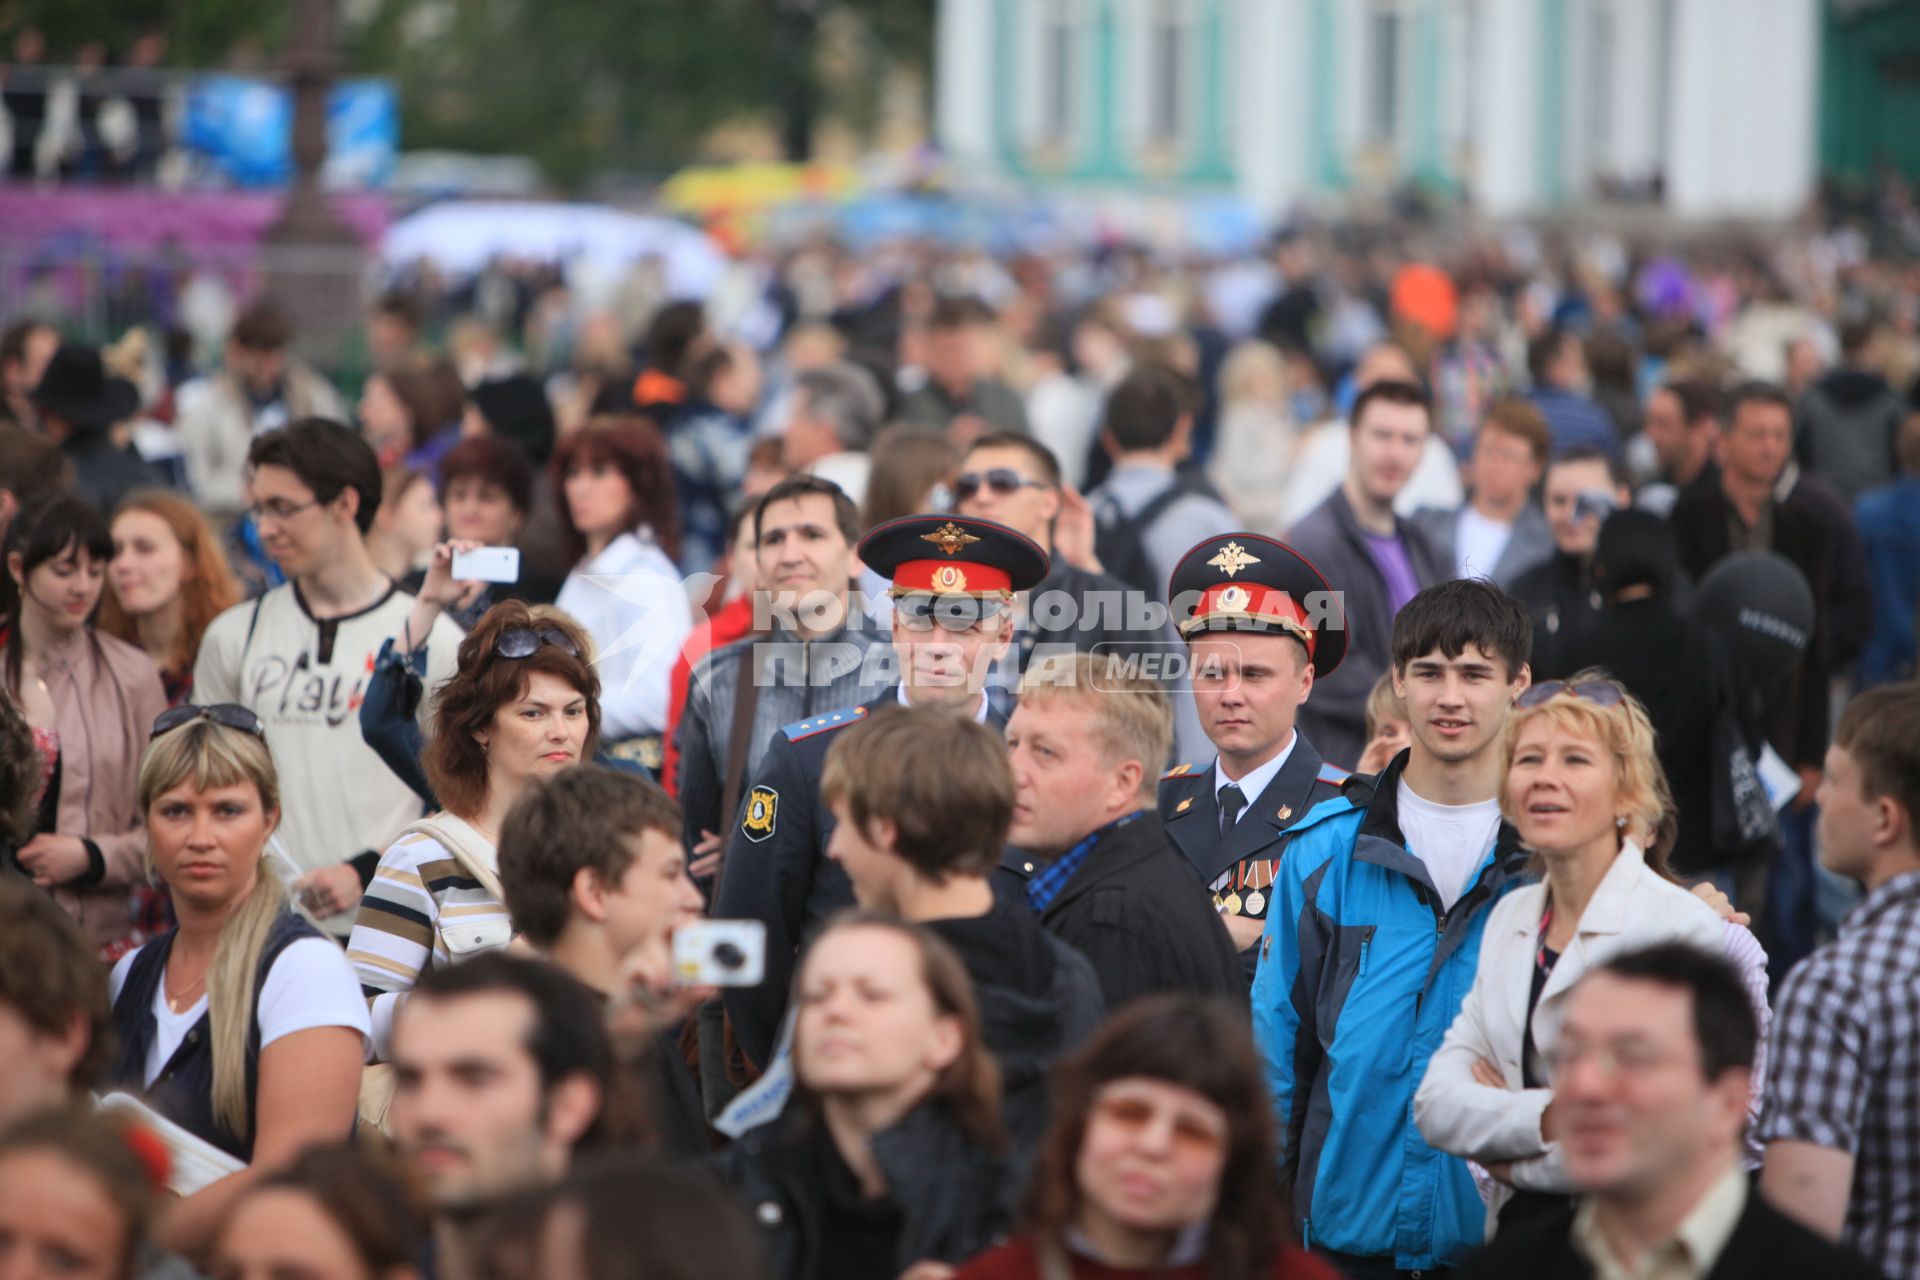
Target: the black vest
(183, 1091)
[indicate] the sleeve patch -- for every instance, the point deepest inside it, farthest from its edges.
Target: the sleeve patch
(763, 806)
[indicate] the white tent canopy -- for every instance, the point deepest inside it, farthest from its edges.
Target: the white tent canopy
(462, 236)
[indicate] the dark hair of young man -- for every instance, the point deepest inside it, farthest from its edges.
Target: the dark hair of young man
(566, 1035)
(1880, 729)
(49, 975)
(1543, 351)
(1144, 410)
(845, 514)
(261, 327)
(1698, 398)
(1451, 615)
(492, 461)
(1754, 392)
(1389, 391)
(945, 786)
(959, 313)
(326, 457)
(1723, 1022)
(587, 818)
(1042, 457)
(1616, 472)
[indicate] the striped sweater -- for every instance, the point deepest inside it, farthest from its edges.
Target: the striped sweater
(422, 909)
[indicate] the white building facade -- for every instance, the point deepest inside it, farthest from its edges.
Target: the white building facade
(1708, 107)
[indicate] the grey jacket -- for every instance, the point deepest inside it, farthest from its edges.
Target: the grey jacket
(1530, 546)
(798, 679)
(1334, 715)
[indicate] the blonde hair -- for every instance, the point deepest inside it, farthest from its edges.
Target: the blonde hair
(1133, 720)
(1384, 704)
(1628, 737)
(1246, 366)
(206, 755)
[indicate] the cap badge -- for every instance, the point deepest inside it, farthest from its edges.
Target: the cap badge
(949, 537)
(949, 578)
(1232, 559)
(1234, 599)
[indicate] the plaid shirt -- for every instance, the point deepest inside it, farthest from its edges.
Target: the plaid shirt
(1845, 1069)
(1045, 887)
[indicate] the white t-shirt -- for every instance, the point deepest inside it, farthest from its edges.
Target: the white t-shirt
(1450, 838)
(1478, 543)
(310, 985)
(631, 601)
(305, 679)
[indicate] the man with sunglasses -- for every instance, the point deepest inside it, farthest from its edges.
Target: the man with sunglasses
(1260, 627)
(953, 579)
(300, 656)
(1016, 481)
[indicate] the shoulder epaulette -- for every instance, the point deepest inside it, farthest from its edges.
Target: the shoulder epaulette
(1178, 771)
(801, 729)
(1333, 775)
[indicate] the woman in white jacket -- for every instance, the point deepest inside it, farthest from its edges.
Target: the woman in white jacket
(1585, 791)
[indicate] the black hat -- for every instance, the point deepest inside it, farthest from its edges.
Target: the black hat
(77, 389)
(1244, 582)
(517, 409)
(953, 555)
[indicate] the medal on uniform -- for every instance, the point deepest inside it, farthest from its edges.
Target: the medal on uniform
(1256, 903)
(1233, 904)
(1286, 811)
(1184, 805)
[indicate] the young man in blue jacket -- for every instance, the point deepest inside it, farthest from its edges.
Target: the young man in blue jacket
(1372, 939)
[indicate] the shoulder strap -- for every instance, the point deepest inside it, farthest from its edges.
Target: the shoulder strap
(458, 837)
(253, 620)
(746, 700)
(1158, 504)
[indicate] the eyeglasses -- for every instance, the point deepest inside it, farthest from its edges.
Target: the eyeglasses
(230, 714)
(1002, 480)
(1626, 1058)
(278, 510)
(521, 642)
(954, 612)
(1601, 693)
(1192, 1135)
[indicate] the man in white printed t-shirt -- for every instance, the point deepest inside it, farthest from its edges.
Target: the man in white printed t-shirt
(300, 656)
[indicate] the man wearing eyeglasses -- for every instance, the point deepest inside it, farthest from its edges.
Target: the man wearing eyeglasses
(953, 579)
(1016, 481)
(299, 657)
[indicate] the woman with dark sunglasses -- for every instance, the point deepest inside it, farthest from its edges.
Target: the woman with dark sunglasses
(1585, 790)
(89, 699)
(1160, 1161)
(523, 705)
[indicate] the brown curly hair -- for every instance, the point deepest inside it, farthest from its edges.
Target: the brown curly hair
(1200, 1045)
(455, 763)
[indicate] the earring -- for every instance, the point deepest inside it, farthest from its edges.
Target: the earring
(1620, 823)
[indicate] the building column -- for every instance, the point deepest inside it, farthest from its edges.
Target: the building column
(1272, 46)
(963, 93)
(1637, 93)
(1742, 129)
(1507, 124)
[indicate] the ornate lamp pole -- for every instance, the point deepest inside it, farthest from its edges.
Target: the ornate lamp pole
(313, 259)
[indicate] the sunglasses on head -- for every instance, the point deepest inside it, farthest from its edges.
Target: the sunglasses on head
(523, 642)
(1002, 480)
(954, 612)
(230, 714)
(1601, 693)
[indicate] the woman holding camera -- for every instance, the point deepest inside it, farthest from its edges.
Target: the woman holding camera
(243, 1025)
(523, 704)
(890, 1164)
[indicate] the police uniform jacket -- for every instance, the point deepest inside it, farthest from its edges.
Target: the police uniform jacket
(777, 870)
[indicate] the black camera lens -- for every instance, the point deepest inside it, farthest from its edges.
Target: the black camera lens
(728, 956)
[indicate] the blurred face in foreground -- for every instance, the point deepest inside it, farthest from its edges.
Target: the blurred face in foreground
(868, 1028)
(1151, 1159)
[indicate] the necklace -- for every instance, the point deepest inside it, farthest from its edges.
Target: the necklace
(185, 999)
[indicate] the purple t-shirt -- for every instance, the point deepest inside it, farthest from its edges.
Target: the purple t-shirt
(1390, 557)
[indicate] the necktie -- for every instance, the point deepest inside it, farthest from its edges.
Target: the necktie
(1233, 803)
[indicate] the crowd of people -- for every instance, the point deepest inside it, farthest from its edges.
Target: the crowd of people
(959, 767)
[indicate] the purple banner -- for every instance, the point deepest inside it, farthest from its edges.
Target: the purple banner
(213, 222)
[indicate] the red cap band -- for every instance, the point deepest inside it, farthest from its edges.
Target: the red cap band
(951, 577)
(1251, 602)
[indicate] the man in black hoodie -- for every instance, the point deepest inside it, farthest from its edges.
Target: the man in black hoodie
(1846, 424)
(921, 805)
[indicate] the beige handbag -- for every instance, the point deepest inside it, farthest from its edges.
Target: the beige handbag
(459, 838)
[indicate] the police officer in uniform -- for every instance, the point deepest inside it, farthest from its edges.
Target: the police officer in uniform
(953, 581)
(1261, 624)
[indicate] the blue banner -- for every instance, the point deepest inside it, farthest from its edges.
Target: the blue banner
(242, 129)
